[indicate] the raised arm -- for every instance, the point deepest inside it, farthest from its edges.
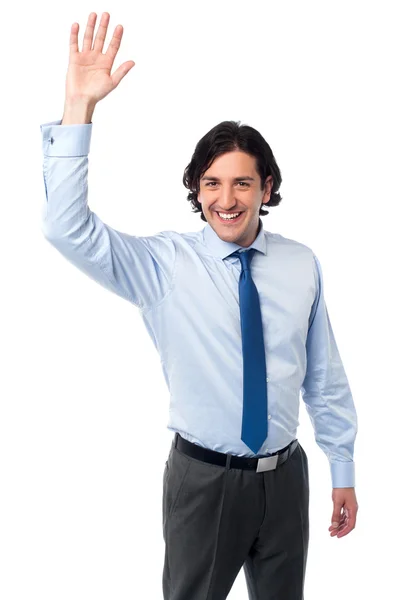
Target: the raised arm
(139, 269)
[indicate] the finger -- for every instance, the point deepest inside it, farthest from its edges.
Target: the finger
(336, 516)
(344, 531)
(115, 42)
(336, 530)
(341, 522)
(345, 528)
(73, 40)
(88, 36)
(349, 525)
(101, 32)
(121, 72)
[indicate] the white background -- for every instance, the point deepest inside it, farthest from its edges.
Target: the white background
(82, 390)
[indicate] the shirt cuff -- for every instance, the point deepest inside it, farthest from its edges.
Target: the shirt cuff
(343, 474)
(66, 140)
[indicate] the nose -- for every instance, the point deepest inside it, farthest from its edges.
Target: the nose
(226, 200)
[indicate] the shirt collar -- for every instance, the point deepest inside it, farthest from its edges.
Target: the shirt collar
(222, 249)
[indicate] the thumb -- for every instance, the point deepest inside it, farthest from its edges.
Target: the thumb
(121, 72)
(336, 516)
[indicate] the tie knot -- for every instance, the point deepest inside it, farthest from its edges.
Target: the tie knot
(245, 258)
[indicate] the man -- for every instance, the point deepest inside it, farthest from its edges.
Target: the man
(239, 319)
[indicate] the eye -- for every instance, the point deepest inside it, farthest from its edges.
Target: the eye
(212, 183)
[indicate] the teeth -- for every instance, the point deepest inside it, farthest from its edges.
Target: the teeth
(231, 216)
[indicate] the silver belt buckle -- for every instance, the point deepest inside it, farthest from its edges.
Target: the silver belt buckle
(267, 463)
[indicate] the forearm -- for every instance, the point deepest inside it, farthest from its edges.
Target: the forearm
(334, 421)
(65, 166)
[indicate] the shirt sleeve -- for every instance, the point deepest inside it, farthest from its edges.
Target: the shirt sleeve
(326, 392)
(138, 269)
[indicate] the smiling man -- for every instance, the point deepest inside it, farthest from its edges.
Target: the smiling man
(238, 316)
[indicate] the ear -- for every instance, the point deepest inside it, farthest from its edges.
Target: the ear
(268, 189)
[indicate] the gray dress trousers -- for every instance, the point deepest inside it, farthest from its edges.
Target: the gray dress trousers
(217, 519)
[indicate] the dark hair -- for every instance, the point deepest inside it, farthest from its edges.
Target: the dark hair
(227, 137)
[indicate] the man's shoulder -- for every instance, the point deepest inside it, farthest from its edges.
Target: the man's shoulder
(188, 237)
(280, 242)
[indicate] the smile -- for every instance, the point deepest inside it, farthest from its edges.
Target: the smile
(229, 220)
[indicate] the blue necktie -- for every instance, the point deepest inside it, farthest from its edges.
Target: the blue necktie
(254, 417)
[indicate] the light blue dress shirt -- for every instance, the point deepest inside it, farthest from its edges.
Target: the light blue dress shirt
(185, 286)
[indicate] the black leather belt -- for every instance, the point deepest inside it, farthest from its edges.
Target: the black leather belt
(267, 463)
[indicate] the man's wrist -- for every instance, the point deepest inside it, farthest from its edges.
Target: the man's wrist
(78, 111)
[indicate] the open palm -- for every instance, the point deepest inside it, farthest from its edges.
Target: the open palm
(89, 71)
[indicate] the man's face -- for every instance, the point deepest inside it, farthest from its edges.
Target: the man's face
(231, 185)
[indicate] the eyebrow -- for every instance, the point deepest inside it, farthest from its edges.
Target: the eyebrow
(245, 178)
